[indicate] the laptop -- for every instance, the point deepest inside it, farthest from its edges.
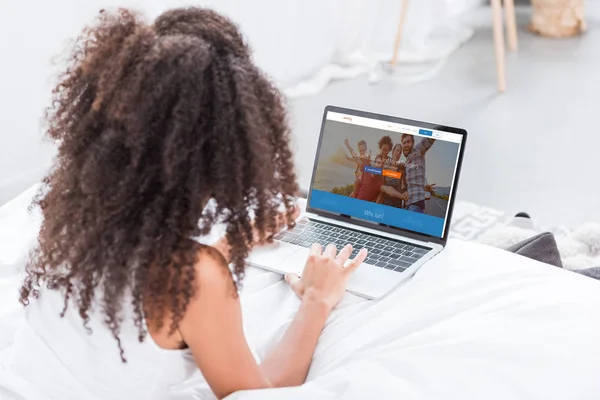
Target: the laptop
(380, 182)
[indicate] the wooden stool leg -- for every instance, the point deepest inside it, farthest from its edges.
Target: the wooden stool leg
(499, 43)
(511, 24)
(403, 11)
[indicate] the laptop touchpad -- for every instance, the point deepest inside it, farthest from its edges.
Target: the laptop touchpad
(271, 255)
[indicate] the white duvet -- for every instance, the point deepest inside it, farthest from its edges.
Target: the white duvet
(474, 323)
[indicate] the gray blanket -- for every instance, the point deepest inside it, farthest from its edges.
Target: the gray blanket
(543, 248)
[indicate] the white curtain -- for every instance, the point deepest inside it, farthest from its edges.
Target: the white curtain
(303, 44)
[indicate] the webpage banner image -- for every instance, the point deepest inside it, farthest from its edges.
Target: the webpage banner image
(395, 178)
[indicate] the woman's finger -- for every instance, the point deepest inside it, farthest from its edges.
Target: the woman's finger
(316, 249)
(330, 250)
(353, 264)
(295, 283)
(344, 254)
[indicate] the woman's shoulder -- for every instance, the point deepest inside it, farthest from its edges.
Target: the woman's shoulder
(212, 269)
(212, 281)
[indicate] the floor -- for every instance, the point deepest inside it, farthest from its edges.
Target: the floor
(533, 148)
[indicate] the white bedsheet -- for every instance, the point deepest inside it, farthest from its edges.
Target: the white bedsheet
(475, 322)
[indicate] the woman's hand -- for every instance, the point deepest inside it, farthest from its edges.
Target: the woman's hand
(326, 275)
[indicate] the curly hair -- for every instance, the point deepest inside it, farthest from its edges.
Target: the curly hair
(385, 140)
(152, 121)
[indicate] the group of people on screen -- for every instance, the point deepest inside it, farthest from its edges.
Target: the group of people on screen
(397, 180)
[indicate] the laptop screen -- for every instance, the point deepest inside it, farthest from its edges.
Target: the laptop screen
(384, 172)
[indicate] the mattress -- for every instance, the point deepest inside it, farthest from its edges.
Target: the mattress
(475, 322)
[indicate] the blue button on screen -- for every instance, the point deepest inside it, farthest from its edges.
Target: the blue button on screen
(425, 132)
(373, 170)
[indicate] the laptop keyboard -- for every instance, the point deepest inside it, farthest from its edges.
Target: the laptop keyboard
(382, 252)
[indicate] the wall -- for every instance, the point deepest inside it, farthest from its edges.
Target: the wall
(32, 34)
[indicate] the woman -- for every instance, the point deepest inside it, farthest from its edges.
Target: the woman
(370, 185)
(394, 191)
(385, 145)
(153, 121)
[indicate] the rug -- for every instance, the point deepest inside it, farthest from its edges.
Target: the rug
(579, 247)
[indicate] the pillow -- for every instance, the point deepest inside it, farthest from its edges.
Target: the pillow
(543, 248)
(540, 247)
(593, 273)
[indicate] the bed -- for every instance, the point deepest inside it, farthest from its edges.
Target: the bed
(476, 322)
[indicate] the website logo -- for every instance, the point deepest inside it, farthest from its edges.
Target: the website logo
(346, 118)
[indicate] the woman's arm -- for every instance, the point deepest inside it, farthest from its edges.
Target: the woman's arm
(212, 329)
(287, 364)
(212, 325)
(353, 153)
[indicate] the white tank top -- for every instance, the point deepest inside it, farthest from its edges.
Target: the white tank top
(56, 358)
